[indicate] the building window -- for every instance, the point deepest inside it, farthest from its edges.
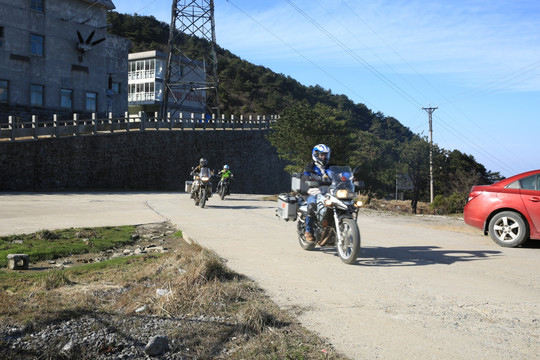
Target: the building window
(4, 91)
(91, 102)
(66, 98)
(36, 5)
(36, 95)
(36, 44)
(115, 87)
(142, 69)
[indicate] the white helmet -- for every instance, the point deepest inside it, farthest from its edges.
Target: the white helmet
(225, 167)
(321, 155)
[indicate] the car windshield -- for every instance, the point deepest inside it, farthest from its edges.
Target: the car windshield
(342, 178)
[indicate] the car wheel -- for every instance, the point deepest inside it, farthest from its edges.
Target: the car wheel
(508, 229)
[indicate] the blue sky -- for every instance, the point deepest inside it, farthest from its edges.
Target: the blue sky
(478, 61)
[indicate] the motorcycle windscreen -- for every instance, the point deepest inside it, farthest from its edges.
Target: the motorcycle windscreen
(205, 172)
(342, 178)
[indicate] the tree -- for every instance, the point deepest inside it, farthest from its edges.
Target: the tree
(415, 160)
(375, 159)
(301, 127)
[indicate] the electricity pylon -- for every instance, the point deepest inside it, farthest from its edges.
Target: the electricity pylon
(186, 79)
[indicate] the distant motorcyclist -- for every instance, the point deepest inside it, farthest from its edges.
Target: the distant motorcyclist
(202, 163)
(195, 172)
(316, 169)
(226, 175)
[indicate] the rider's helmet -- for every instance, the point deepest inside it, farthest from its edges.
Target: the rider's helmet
(203, 162)
(321, 155)
(225, 167)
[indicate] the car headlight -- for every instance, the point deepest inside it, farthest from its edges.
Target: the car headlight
(344, 194)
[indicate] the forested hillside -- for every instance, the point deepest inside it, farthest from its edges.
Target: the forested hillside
(380, 145)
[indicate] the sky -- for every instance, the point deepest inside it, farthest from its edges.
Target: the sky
(476, 61)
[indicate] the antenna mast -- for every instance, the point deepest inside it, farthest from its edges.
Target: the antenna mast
(191, 80)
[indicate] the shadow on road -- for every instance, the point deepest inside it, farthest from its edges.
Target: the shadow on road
(223, 206)
(419, 256)
(413, 255)
(531, 244)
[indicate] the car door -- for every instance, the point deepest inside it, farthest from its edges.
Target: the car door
(530, 194)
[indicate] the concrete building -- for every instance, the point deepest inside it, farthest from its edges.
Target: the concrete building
(146, 77)
(57, 58)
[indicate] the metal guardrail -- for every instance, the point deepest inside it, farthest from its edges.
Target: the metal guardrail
(56, 128)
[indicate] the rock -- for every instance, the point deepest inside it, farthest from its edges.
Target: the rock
(18, 261)
(67, 348)
(157, 345)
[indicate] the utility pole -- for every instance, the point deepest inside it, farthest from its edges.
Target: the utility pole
(430, 111)
(191, 18)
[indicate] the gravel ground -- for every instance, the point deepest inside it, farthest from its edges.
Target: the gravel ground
(424, 287)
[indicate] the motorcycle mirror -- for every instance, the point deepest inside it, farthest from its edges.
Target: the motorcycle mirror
(358, 184)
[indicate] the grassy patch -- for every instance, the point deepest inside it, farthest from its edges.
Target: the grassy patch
(46, 244)
(215, 312)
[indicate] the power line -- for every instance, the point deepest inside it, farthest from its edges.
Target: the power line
(302, 55)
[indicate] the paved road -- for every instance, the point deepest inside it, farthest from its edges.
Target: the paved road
(421, 289)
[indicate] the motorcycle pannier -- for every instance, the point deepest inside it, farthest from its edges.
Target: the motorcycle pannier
(299, 184)
(188, 186)
(287, 207)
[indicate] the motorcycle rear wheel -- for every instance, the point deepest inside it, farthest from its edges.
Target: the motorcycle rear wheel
(349, 248)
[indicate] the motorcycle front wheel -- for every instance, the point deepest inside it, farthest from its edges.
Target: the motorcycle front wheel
(222, 191)
(203, 198)
(349, 248)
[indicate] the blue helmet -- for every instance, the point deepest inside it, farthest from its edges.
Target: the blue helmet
(321, 155)
(225, 167)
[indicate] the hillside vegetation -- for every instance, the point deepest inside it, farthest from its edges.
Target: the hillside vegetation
(379, 145)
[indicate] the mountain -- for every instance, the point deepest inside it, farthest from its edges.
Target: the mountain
(381, 144)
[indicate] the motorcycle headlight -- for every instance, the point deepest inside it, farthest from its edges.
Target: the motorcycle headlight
(205, 178)
(327, 202)
(358, 204)
(344, 194)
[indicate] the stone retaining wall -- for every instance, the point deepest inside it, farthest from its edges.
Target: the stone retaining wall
(151, 160)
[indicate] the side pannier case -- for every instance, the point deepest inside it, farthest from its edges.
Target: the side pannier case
(188, 186)
(299, 184)
(286, 207)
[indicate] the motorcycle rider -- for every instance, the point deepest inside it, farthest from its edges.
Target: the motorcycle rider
(195, 172)
(316, 169)
(202, 163)
(226, 175)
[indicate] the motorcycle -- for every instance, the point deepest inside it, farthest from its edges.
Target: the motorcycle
(201, 188)
(336, 213)
(223, 187)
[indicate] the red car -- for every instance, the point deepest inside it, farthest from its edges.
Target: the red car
(509, 209)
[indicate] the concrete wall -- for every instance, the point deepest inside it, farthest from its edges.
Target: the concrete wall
(152, 160)
(63, 64)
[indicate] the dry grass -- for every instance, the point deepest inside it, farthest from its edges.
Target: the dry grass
(229, 315)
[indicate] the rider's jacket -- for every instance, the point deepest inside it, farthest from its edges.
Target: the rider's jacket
(225, 174)
(313, 169)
